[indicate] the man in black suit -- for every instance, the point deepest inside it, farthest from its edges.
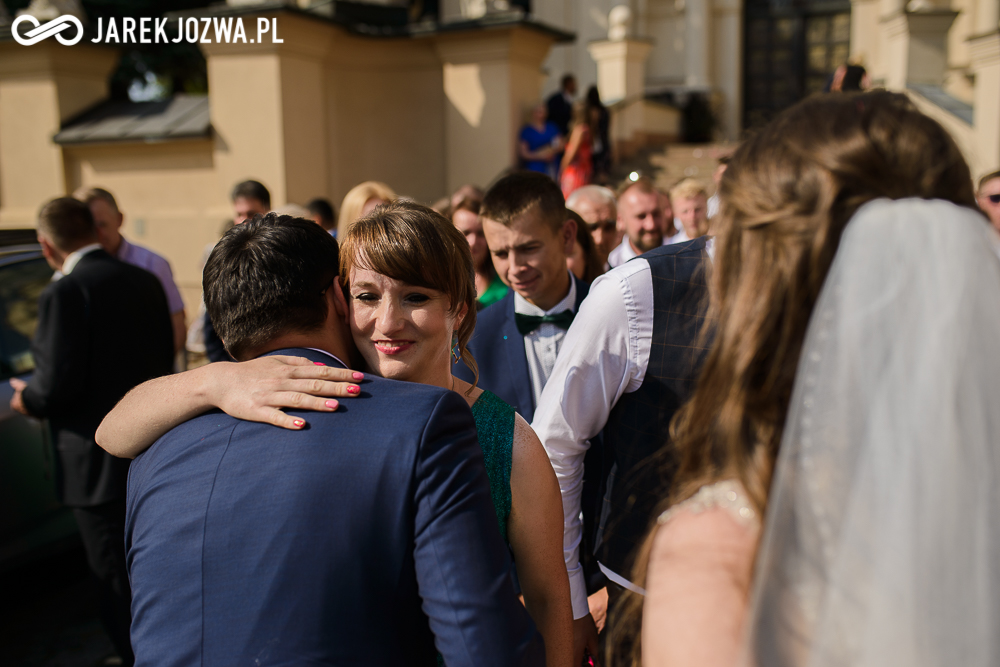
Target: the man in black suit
(560, 104)
(103, 328)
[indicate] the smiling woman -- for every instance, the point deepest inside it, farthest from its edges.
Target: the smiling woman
(409, 273)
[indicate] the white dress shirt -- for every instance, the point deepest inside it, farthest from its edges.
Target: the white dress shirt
(624, 252)
(606, 355)
(541, 346)
(679, 237)
(74, 258)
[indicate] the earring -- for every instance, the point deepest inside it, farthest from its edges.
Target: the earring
(455, 354)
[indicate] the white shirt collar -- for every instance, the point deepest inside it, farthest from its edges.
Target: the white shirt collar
(522, 306)
(74, 257)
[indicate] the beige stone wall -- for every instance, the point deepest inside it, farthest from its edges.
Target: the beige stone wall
(312, 116)
(170, 195)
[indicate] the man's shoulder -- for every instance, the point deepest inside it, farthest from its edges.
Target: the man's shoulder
(98, 265)
(692, 248)
(144, 257)
(495, 314)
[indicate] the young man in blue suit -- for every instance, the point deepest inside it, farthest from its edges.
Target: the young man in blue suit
(342, 543)
(518, 338)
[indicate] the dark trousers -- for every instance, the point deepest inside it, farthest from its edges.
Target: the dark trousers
(103, 531)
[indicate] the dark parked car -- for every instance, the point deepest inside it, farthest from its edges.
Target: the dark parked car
(31, 519)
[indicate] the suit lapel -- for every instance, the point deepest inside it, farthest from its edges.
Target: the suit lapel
(517, 360)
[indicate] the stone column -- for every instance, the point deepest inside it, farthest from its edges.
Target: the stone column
(987, 16)
(267, 106)
(697, 35)
(41, 87)
(984, 54)
(492, 78)
(728, 72)
(621, 67)
(917, 47)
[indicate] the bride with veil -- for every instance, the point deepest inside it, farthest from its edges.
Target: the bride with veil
(850, 399)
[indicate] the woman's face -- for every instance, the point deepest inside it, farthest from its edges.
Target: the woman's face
(402, 331)
(469, 224)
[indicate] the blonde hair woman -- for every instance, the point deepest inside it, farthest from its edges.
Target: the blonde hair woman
(360, 201)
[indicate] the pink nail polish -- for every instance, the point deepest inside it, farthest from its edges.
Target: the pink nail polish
(299, 422)
(353, 390)
(316, 363)
(359, 376)
(332, 405)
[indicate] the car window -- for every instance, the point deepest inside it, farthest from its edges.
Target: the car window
(20, 285)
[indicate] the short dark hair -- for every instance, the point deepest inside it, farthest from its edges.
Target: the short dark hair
(90, 195)
(67, 223)
(324, 209)
(252, 190)
(566, 79)
(519, 191)
(267, 277)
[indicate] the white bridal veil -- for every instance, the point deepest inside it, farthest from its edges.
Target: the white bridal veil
(882, 537)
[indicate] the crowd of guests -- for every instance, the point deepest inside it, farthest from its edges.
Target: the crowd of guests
(631, 426)
(567, 139)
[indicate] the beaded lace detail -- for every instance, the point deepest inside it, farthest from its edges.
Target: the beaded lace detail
(727, 494)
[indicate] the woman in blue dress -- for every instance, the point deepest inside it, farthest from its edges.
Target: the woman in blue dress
(408, 275)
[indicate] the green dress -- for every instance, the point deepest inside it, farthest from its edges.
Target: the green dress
(496, 291)
(495, 429)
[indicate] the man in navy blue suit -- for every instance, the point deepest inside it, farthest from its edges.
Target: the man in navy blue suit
(367, 537)
(518, 338)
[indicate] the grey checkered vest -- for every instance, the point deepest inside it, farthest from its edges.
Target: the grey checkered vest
(640, 462)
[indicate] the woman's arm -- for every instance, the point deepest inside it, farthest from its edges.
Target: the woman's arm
(252, 390)
(574, 144)
(535, 533)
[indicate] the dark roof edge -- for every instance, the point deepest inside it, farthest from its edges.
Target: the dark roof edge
(147, 139)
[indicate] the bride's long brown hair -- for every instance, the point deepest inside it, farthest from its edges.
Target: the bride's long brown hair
(786, 197)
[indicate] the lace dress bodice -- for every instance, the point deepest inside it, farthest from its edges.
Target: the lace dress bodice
(727, 494)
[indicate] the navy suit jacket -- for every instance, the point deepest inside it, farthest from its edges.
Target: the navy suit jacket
(498, 348)
(367, 538)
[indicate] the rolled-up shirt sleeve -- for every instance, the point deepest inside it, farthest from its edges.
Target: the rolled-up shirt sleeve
(604, 355)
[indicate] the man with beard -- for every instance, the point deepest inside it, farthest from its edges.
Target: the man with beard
(641, 217)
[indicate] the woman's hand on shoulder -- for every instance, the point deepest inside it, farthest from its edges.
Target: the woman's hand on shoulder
(259, 390)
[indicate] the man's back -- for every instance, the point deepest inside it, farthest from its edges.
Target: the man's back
(331, 545)
(102, 330)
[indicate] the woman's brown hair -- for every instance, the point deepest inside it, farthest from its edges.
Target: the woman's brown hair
(593, 269)
(786, 198)
(418, 246)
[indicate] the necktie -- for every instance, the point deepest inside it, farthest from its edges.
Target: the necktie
(528, 323)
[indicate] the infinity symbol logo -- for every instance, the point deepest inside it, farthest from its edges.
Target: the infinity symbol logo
(46, 30)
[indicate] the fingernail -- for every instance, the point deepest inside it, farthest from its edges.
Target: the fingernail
(353, 390)
(359, 376)
(332, 405)
(318, 364)
(299, 423)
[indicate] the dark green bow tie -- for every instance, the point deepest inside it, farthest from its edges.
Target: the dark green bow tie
(528, 323)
